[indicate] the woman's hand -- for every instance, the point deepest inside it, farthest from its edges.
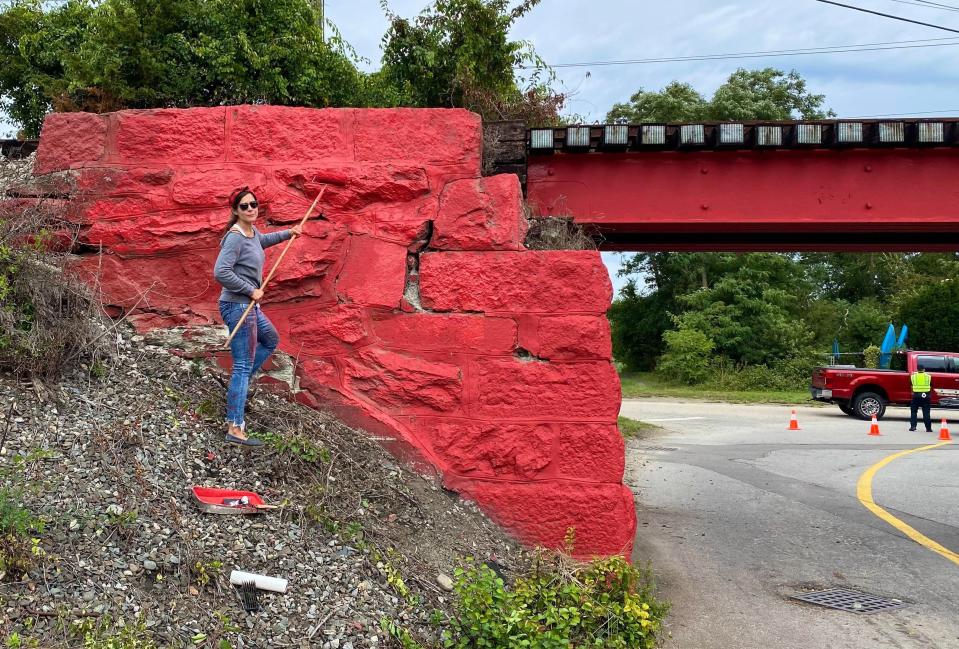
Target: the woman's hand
(297, 230)
(257, 295)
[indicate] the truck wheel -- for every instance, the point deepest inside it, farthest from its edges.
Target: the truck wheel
(867, 404)
(846, 409)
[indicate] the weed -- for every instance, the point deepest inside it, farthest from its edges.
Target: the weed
(49, 317)
(296, 446)
(630, 428)
(98, 369)
(208, 409)
(19, 547)
(399, 634)
(205, 572)
(16, 641)
(123, 522)
(102, 633)
(558, 233)
(387, 567)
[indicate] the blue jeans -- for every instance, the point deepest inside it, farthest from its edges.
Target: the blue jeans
(251, 346)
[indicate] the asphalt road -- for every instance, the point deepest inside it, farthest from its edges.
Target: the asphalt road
(736, 514)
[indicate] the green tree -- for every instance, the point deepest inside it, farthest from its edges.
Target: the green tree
(677, 102)
(752, 314)
(932, 314)
(747, 94)
(100, 56)
(864, 323)
(638, 323)
(766, 94)
(688, 356)
(458, 53)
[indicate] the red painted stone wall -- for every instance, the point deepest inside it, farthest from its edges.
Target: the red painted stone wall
(414, 310)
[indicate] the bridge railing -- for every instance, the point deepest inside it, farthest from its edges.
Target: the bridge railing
(933, 132)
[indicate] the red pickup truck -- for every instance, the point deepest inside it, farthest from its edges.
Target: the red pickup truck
(866, 392)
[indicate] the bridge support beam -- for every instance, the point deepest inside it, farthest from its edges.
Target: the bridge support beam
(882, 199)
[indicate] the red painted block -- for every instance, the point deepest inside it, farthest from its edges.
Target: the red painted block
(320, 370)
(171, 135)
(590, 452)
(435, 136)
(282, 133)
(479, 449)
(568, 337)
(355, 186)
(374, 273)
(515, 282)
(107, 181)
(172, 283)
(603, 516)
(402, 383)
(68, 139)
(446, 332)
(215, 187)
(515, 389)
(481, 214)
(157, 232)
(328, 332)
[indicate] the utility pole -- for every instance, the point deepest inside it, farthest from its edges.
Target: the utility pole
(321, 17)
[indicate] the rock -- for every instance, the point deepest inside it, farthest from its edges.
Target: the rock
(68, 139)
(516, 282)
(481, 214)
(405, 383)
(444, 582)
(150, 565)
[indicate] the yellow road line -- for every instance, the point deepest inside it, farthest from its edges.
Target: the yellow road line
(864, 492)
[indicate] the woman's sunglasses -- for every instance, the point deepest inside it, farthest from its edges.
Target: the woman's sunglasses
(252, 205)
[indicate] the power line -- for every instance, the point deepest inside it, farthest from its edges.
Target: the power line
(832, 49)
(925, 5)
(922, 112)
(938, 4)
(879, 13)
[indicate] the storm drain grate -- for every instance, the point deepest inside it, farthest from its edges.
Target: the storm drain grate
(850, 600)
(658, 448)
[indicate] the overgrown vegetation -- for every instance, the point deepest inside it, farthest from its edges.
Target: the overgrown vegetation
(560, 603)
(48, 317)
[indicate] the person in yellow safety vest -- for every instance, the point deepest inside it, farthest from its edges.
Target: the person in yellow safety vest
(921, 398)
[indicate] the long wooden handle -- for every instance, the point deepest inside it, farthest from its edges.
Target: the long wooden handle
(273, 270)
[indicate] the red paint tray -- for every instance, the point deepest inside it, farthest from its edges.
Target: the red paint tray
(211, 500)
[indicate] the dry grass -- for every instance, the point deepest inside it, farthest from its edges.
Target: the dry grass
(559, 233)
(49, 319)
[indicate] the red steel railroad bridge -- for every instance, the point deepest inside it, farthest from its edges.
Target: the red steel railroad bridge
(831, 185)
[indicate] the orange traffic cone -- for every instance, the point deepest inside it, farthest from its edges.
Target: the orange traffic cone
(793, 422)
(874, 429)
(944, 432)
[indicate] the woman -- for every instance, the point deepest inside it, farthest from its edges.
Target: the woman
(239, 269)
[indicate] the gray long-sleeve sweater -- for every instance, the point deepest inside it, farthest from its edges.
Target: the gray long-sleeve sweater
(239, 266)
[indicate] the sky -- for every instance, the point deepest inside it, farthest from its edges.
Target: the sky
(861, 84)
